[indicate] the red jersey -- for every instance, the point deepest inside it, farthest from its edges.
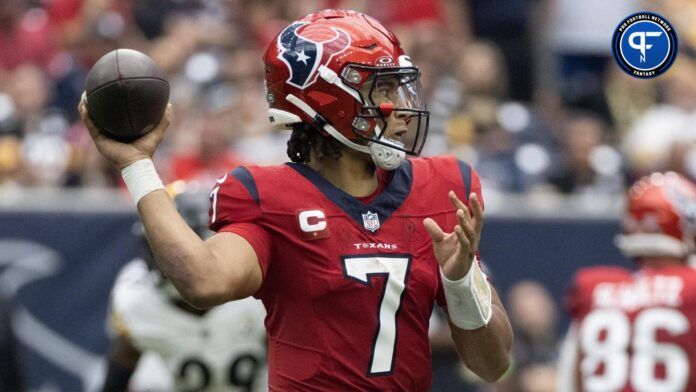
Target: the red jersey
(635, 329)
(348, 287)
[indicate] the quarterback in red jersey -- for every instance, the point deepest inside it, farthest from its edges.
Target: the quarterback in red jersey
(633, 331)
(349, 246)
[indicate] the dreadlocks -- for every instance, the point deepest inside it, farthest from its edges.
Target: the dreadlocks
(305, 137)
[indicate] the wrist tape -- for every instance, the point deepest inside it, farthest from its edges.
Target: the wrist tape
(469, 299)
(141, 178)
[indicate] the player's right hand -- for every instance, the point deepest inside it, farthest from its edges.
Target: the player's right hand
(123, 154)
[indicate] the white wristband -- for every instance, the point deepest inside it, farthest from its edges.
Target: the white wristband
(469, 299)
(141, 178)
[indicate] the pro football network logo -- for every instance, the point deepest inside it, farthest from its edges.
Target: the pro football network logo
(645, 45)
(303, 51)
(371, 221)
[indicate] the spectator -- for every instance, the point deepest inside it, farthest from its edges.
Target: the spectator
(533, 316)
(648, 141)
(474, 59)
(579, 37)
(24, 36)
(510, 27)
(208, 154)
(587, 164)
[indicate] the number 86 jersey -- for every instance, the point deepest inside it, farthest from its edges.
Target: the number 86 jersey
(349, 284)
(631, 331)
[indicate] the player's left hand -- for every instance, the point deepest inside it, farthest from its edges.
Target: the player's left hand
(455, 251)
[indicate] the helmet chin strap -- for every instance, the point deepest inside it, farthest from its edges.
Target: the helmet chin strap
(385, 157)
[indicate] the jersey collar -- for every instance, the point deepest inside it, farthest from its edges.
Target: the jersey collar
(384, 205)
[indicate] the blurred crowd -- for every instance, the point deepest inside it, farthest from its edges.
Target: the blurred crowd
(525, 90)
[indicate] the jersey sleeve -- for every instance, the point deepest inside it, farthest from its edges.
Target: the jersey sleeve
(140, 312)
(125, 297)
(471, 181)
(453, 174)
(466, 177)
(579, 298)
(236, 208)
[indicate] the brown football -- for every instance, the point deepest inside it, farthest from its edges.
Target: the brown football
(127, 94)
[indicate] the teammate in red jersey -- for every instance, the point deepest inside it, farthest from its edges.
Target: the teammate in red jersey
(349, 246)
(632, 331)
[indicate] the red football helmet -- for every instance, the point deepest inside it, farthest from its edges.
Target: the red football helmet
(660, 218)
(345, 73)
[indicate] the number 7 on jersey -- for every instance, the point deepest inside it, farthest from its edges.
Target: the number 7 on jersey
(393, 268)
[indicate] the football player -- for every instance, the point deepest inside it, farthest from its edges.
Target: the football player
(632, 331)
(349, 246)
(219, 349)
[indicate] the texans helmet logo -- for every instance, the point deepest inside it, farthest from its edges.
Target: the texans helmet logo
(303, 55)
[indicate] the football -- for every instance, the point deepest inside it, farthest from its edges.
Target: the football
(127, 94)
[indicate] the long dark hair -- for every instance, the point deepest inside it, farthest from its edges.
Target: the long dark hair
(305, 137)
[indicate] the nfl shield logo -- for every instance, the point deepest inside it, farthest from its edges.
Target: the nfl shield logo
(371, 221)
